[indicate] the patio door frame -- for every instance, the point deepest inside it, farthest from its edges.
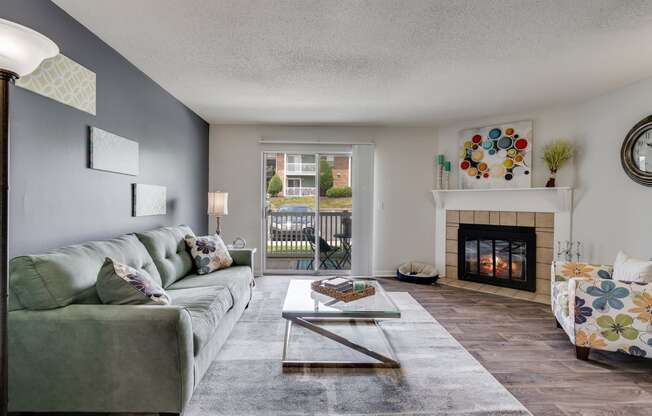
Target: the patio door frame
(265, 227)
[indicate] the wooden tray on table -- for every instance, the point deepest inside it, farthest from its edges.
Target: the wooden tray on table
(345, 296)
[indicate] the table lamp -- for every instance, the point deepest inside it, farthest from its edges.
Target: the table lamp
(21, 51)
(218, 206)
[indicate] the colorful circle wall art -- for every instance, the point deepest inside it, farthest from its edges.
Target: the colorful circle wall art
(496, 156)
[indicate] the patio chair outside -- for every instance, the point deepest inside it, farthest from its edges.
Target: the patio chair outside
(326, 251)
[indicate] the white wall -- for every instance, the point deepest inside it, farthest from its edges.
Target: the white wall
(404, 213)
(611, 212)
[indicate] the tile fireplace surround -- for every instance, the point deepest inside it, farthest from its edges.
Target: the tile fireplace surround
(546, 209)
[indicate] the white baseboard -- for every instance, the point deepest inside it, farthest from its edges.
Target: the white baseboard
(384, 273)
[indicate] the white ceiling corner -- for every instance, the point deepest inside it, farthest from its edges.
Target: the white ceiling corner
(413, 62)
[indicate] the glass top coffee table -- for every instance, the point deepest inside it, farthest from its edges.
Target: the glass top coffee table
(306, 308)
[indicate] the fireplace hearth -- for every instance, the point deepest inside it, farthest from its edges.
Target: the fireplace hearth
(498, 255)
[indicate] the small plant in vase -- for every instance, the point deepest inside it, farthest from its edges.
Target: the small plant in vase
(555, 155)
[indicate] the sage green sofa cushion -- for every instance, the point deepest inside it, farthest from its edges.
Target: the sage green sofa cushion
(167, 247)
(237, 279)
(67, 275)
(207, 306)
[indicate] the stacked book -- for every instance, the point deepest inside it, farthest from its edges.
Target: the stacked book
(338, 283)
(346, 290)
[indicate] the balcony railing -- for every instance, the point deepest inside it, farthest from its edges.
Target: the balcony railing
(300, 168)
(300, 191)
(286, 237)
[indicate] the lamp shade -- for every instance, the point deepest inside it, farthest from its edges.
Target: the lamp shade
(218, 204)
(22, 49)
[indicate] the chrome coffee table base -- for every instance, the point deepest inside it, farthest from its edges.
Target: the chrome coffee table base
(311, 324)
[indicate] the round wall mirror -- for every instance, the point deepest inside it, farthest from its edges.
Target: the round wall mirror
(636, 153)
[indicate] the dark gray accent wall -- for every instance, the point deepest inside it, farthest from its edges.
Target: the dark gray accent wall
(55, 198)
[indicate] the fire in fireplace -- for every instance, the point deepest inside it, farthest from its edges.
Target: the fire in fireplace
(498, 255)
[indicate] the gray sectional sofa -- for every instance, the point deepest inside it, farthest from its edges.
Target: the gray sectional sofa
(70, 353)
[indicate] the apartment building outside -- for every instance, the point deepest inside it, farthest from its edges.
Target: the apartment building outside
(297, 171)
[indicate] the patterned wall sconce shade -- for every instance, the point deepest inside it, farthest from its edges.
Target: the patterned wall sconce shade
(218, 206)
(22, 49)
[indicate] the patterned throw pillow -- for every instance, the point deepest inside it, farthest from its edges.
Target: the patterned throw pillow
(119, 284)
(209, 252)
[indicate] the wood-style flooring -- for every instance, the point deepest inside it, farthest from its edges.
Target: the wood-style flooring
(518, 342)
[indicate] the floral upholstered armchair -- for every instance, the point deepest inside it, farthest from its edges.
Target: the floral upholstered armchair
(600, 313)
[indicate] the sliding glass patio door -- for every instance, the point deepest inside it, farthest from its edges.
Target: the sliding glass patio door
(335, 213)
(307, 223)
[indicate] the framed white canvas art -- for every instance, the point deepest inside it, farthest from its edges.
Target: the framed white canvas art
(112, 153)
(149, 200)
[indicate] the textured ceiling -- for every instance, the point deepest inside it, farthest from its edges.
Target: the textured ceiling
(376, 62)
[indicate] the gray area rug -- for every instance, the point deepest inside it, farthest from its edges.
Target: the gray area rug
(438, 376)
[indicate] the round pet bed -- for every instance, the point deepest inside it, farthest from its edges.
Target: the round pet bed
(415, 272)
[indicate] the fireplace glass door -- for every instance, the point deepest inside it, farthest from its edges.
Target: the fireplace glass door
(519, 260)
(498, 255)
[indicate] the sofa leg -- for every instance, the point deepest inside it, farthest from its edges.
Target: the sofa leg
(582, 353)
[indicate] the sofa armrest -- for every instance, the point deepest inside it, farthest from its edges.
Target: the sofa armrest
(561, 301)
(243, 256)
(612, 315)
(565, 270)
(101, 358)
(562, 271)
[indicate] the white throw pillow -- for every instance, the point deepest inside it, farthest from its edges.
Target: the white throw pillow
(631, 269)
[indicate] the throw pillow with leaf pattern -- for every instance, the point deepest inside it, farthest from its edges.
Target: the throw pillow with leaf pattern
(120, 284)
(209, 252)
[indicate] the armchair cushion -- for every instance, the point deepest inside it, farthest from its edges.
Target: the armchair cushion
(613, 316)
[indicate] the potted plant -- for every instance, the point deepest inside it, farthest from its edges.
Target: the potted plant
(555, 155)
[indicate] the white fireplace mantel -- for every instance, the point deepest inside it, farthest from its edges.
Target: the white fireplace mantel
(556, 200)
(506, 199)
